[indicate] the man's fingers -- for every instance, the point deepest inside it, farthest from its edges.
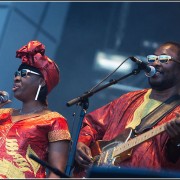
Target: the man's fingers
(170, 129)
(84, 162)
(85, 155)
(177, 114)
(88, 152)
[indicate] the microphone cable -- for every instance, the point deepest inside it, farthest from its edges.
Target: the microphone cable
(108, 76)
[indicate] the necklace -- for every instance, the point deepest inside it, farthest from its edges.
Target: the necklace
(31, 112)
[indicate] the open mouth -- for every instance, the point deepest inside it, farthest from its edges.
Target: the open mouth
(158, 73)
(15, 87)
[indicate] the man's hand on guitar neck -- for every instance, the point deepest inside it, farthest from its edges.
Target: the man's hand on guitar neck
(173, 129)
(83, 155)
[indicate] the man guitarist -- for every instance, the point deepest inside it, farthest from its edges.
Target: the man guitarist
(160, 152)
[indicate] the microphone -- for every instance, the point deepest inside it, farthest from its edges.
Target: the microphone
(149, 70)
(4, 97)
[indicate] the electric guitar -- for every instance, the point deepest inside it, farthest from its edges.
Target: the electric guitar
(120, 148)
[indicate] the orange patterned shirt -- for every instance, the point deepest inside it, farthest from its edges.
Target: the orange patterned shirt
(28, 136)
(109, 121)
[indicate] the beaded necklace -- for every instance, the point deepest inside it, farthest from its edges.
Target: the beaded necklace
(31, 112)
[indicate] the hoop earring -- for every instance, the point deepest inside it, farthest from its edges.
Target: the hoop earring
(37, 94)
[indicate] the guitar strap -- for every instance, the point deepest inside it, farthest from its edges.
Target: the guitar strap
(157, 114)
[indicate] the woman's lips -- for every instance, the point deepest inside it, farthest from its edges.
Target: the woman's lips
(15, 87)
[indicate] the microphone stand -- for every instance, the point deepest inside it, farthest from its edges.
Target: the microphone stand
(84, 103)
(53, 169)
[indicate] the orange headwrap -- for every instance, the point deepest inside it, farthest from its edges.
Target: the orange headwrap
(32, 54)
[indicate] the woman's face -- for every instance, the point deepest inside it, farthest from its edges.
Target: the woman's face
(25, 85)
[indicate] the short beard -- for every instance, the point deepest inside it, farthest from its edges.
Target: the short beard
(161, 86)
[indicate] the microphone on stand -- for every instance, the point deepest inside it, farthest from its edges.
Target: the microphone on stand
(149, 70)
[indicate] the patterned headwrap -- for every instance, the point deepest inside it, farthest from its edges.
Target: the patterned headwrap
(33, 54)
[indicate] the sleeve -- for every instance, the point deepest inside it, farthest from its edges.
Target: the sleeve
(95, 123)
(5, 113)
(172, 151)
(59, 129)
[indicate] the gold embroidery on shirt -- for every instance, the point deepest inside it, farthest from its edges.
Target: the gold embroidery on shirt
(6, 110)
(9, 170)
(58, 135)
(49, 116)
(17, 133)
(33, 163)
(12, 147)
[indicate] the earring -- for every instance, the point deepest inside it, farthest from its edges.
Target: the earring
(37, 94)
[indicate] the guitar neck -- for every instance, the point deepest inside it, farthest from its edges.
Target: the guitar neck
(138, 140)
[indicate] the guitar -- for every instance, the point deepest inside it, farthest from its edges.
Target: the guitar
(120, 148)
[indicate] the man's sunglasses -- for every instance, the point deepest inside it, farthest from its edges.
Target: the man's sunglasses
(24, 73)
(161, 58)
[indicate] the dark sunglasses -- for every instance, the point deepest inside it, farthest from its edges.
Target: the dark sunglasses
(160, 58)
(24, 73)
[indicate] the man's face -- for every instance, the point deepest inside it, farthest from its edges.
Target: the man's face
(167, 74)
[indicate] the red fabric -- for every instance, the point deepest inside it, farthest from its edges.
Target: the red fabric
(110, 120)
(33, 54)
(32, 135)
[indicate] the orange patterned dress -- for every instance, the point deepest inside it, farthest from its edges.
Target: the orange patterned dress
(28, 136)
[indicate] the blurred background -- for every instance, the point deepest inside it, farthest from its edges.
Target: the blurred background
(88, 40)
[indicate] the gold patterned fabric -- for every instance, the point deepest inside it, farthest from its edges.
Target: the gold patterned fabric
(28, 136)
(58, 135)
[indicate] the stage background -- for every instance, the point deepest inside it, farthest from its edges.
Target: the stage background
(88, 40)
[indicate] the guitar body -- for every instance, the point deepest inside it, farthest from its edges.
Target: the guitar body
(102, 151)
(120, 148)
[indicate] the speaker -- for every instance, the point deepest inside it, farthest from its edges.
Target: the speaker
(119, 172)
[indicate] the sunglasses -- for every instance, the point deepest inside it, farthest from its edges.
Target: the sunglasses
(160, 58)
(24, 73)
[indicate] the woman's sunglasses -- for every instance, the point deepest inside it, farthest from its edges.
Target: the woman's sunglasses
(24, 73)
